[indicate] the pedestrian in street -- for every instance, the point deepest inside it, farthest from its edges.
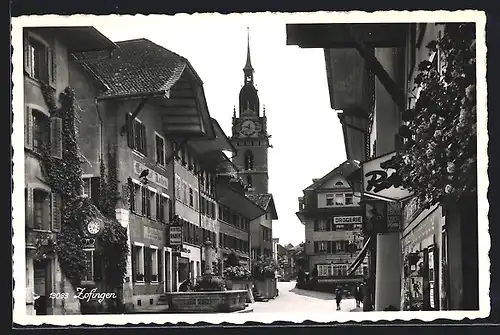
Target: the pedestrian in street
(358, 295)
(338, 298)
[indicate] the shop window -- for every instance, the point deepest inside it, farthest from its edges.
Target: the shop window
(323, 270)
(138, 263)
(322, 225)
(88, 275)
(160, 149)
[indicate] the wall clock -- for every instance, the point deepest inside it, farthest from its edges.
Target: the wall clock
(248, 128)
(93, 227)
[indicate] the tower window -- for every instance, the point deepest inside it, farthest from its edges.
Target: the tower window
(248, 160)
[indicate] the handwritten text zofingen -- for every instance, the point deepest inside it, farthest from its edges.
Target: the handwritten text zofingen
(83, 294)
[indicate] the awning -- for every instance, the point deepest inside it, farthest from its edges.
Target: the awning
(219, 143)
(359, 258)
(337, 35)
(238, 202)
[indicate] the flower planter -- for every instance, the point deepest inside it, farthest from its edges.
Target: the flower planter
(239, 284)
(207, 302)
(266, 287)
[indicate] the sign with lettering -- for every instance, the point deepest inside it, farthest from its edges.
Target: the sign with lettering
(152, 176)
(382, 183)
(347, 219)
(152, 233)
(175, 233)
(393, 216)
(410, 209)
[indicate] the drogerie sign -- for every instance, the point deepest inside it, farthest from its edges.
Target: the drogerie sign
(347, 219)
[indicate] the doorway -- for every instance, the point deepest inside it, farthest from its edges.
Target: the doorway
(42, 285)
(168, 270)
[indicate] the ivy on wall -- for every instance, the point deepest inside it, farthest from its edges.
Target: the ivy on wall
(438, 161)
(64, 176)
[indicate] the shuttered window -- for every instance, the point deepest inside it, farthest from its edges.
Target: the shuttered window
(39, 134)
(136, 134)
(29, 207)
(56, 145)
(56, 204)
(41, 210)
(28, 128)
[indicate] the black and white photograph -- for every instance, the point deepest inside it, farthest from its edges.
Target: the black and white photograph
(250, 167)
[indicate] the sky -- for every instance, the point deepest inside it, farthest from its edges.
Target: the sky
(306, 134)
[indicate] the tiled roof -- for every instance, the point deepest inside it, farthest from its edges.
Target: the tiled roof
(137, 67)
(260, 199)
(345, 169)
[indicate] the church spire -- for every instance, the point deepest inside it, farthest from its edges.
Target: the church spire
(248, 69)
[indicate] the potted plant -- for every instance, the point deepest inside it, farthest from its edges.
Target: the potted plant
(209, 284)
(265, 276)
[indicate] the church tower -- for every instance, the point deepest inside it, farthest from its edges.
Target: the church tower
(249, 134)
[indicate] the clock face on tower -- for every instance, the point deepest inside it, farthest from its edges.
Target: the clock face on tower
(248, 128)
(93, 227)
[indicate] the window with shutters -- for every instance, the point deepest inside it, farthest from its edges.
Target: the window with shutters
(135, 200)
(160, 149)
(185, 192)
(86, 187)
(154, 264)
(41, 135)
(329, 199)
(138, 263)
(196, 199)
(322, 246)
(146, 195)
(137, 135)
(39, 60)
(161, 208)
(41, 210)
(88, 275)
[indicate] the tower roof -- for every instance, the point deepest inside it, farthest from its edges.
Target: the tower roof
(248, 65)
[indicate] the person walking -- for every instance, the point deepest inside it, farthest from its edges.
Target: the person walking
(338, 298)
(357, 296)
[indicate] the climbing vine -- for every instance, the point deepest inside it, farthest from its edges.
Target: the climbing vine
(64, 176)
(439, 157)
(113, 242)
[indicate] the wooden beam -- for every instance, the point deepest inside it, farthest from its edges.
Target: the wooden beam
(397, 93)
(133, 116)
(176, 151)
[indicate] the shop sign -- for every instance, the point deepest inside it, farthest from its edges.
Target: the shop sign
(175, 233)
(153, 176)
(347, 219)
(151, 233)
(393, 216)
(378, 182)
(411, 207)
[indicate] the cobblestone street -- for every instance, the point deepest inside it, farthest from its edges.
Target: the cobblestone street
(294, 300)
